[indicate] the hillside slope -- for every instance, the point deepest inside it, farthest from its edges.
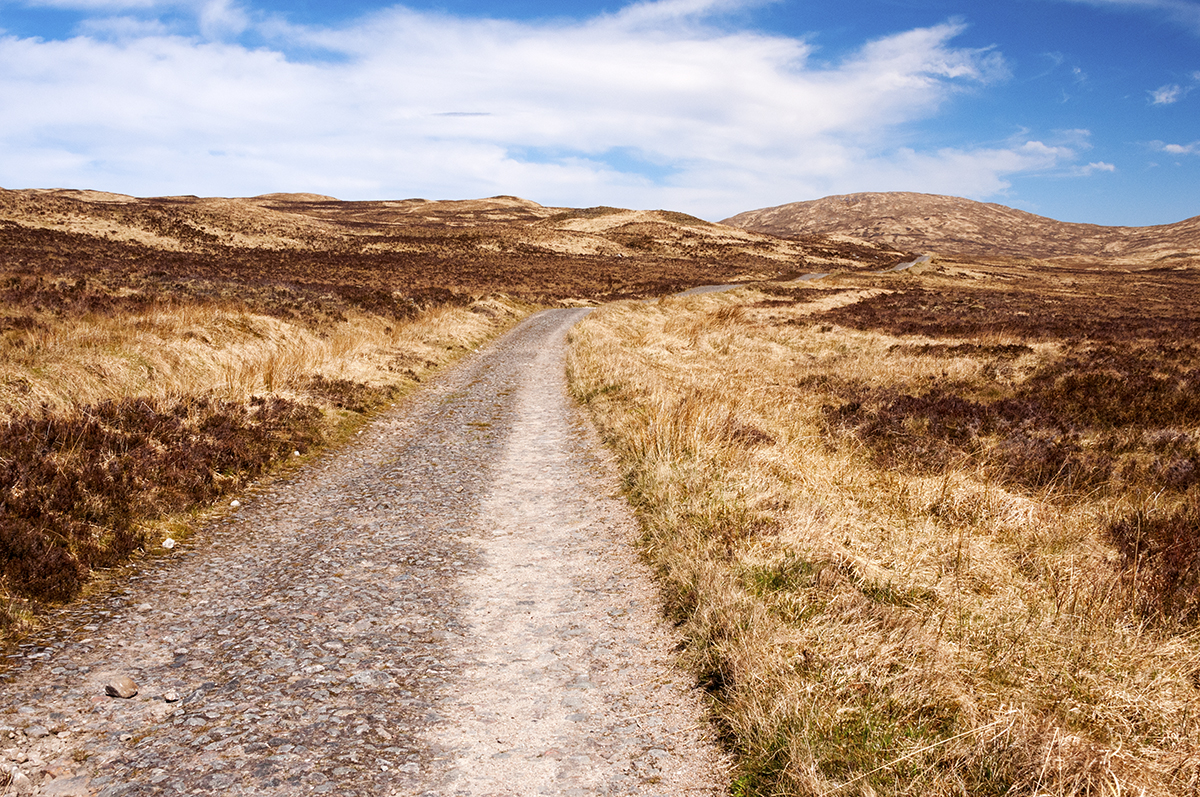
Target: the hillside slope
(497, 228)
(928, 222)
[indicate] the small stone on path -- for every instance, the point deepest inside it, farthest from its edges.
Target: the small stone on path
(66, 787)
(122, 686)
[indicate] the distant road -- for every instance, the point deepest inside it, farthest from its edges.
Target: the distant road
(708, 289)
(903, 266)
(816, 275)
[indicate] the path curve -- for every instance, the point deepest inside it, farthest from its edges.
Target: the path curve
(905, 266)
(451, 605)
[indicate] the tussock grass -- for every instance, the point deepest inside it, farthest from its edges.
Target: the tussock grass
(180, 350)
(901, 610)
(118, 419)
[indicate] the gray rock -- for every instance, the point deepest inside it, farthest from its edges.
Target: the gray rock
(372, 678)
(121, 686)
(37, 732)
(66, 787)
(15, 781)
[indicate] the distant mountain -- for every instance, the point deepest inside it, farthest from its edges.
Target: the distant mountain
(951, 225)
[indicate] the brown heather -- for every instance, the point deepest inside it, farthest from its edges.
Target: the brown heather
(929, 533)
(118, 423)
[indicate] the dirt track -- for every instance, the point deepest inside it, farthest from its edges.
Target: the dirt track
(448, 606)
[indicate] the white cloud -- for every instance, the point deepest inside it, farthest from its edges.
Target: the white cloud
(122, 27)
(406, 103)
(1167, 95)
(221, 18)
(213, 18)
(657, 12)
(1092, 168)
(1178, 149)
(1077, 138)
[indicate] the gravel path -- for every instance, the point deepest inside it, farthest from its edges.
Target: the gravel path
(448, 606)
(702, 289)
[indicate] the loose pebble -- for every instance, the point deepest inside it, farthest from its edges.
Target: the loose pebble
(122, 686)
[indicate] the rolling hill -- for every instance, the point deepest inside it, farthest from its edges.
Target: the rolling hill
(501, 228)
(951, 225)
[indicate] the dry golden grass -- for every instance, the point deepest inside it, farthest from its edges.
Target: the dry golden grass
(875, 630)
(226, 351)
(117, 426)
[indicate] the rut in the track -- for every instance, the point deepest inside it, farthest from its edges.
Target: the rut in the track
(449, 606)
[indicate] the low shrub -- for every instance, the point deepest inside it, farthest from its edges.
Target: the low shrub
(346, 394)
(1160, 554)
(74, 489)
(1096, 417)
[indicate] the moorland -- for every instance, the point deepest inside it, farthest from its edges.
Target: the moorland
(934, 531)
(930, 531)
(156, 354)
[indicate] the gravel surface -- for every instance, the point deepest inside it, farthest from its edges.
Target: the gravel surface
(450, 605)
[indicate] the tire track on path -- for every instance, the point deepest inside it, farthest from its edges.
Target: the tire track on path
(448, 606)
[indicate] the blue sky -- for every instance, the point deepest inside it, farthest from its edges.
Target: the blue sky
(1081, 110)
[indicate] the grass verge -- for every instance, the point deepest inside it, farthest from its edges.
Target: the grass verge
(919, 561)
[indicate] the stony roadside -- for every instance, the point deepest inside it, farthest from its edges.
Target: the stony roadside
(451, 605)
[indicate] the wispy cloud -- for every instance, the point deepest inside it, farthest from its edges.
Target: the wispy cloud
(1185, 13)
(1167, 95)
(1092, 168)
(1178, 149)
(94, 5)
(212, 19)
(408, 103)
